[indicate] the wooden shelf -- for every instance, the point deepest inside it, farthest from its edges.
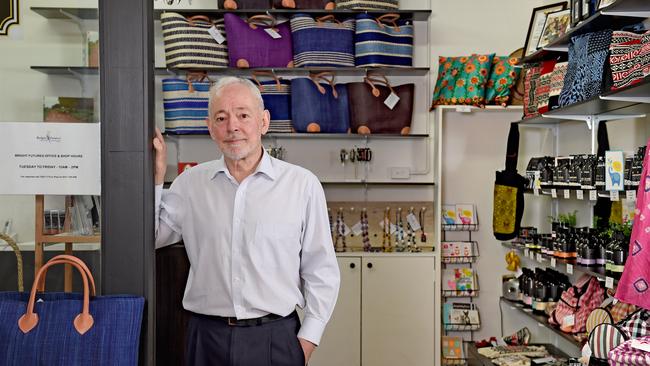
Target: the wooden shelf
(616, 16)
(598, 272)
(541, 319)
(417, 15)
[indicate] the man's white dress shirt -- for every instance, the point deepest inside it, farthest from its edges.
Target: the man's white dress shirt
(256, 247)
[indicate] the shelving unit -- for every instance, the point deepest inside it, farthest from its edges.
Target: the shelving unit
(540, 319)
(317, 136)
(561, 264)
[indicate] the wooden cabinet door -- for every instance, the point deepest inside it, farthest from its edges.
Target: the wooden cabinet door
(341, 343)
(397, 311)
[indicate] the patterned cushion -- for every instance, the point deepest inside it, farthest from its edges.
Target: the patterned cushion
(557, 82)
(629, 57)
(502, 78)
(462, 80)
(584, 77)
(532, 74)
(544, 87)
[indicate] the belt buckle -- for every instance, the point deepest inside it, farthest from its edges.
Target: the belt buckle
(232, 321)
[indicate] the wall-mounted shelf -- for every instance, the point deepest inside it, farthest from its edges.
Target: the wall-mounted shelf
(390, 183)
(418, 15)
(561, 266)
(616, 16)
(64, 13)
(316, 136)
(541, 319)
(547, 191)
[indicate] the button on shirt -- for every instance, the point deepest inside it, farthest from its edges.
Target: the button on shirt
(257, 247)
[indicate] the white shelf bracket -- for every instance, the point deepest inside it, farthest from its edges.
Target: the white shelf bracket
(623, 98)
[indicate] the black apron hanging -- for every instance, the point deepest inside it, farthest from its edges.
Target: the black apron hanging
(603, 207)
(509, 189)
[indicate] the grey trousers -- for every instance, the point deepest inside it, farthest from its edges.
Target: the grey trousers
(212, 342)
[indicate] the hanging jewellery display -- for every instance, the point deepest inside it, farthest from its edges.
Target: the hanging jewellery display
(423, 236)
(412, 245)
(329, 216)
(339, 244)
(364, 231)
(386, 241)
(400, 245)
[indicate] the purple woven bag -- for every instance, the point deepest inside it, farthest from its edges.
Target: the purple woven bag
(251, 46)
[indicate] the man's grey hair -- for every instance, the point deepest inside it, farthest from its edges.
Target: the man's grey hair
(217, 88)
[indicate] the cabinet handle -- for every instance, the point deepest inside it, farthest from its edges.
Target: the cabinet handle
(369, 265)
(352, 265)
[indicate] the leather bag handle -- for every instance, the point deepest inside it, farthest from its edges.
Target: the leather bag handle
(512, 150)
(261, 20)
(270, 74)
(191, 20)
(372, 79)
(195, 76)
(388, 18)
(19, 259)
(323, 77)
(82, 322)
(331, 17)
(93, 291)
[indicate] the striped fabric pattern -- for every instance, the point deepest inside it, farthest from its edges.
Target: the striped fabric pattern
(185, 110)
(368, 4)
(189, 45)
(324, 44)
(278, 102)
(597, 317)
(626, 355)
(377, 46)
(604, 338)
(629, 57)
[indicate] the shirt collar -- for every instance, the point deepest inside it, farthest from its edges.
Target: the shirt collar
(265, 166)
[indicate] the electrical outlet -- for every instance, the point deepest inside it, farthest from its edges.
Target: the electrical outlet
(400, 173)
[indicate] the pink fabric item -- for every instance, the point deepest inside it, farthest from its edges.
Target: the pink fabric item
(579, 300)
(625, 355)
(633, 286)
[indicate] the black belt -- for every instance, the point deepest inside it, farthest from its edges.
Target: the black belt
(234, 322)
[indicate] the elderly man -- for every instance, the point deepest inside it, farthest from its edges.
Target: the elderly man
(257, 235)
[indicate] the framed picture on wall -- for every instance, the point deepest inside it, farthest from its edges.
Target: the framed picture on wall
(586, 8)
(557, 24)
(576, 12)
(605, 3)
(536, 26)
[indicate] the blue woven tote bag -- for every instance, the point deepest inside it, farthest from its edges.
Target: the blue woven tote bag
(70, 329)
(276, 95)
(319, 107)
(323, 41)
(383, 41)
(186, 105)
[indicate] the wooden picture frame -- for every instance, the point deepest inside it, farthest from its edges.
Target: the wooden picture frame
(587, 10)
(536, 25)
(556, 26)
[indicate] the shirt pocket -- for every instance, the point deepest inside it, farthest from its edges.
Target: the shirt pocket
(276, 245)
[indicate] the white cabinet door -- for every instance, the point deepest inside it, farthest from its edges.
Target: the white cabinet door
(341, 343)
(397, 311)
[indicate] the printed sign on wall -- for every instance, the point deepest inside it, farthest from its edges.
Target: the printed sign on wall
(614, 171)
(8, 15)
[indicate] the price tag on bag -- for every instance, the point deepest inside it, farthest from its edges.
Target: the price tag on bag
(539, 258)
(554, 193)
(526, 253)
(609, 282)
(613, 195)
(391, 100)
(273, 33)
(214, 32)
(356, 229)
(593, 195)
(569, 268)
(413, 222)
(536, 191)
(553, 262)
(567, 194)
(580, 194)
(630, 195)
(569, 320)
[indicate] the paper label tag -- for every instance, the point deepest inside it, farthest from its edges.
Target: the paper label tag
(536, 191)
(539, 258)
(413, 222)
(569, 320)
(554, 193)
(526, 253)
(391, 100)
(271, 32)
(613, 195)
(532, 255)
(593, 195)
(609, 282)
(553, 262)
(393, 227)
(567, 194)
(569, 268)
(345, 230)
(214, 32)
(580, 194)
(518, 272)
(463, 109)
(630, 195)
(356, 229)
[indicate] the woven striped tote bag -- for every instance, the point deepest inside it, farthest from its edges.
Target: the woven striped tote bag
(276, 94)
(322, 42)
(368, 4)
(186, 104)
(319, 105)
(383, 41)
(189, 44)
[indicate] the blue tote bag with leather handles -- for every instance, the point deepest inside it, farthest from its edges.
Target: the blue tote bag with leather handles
(383, 41)
(319, 105)
(322, 42)
(70, 329)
